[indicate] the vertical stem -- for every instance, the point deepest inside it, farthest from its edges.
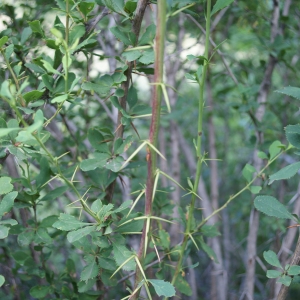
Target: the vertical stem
(67, 46)
(154, 127)
(295, 261)
(23, 102)
(199, 145)
(67, 22)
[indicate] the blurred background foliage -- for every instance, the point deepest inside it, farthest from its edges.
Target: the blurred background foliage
(243, 32)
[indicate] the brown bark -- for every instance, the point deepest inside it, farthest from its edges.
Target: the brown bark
(163, 164)
(136, 27)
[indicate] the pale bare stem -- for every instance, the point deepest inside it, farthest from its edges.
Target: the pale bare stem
(258, 162)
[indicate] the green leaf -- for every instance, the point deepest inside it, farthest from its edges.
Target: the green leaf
(9, 51)
(80, 233)
(125, 145)
(285, 280)
(254, 189)
(49, 68)
(67, 222)
(89, 42)
(115, 102)
(98, 162)
(119, 92)
(220, 4)
(209, 251)
(107, 263)
(148, 36)
(119, 76)
(293, 135)
(86, 7)
(210, 230)
(33, 96)
(273, 273)
(132, 55)
(163, 288)
(11, 222)
(61, 83)
(3, 123)
(191, 57)
(272, 207)
(3, 40)
(132, 96)
(84, 286)
(99, 88)
(66, 61)
(77, 32)
(57, 33)
(120, 35)
(90, 270)
(17, 152)
(147, 57)
(2, 280)
(274, 149)
(5, 185)
(294, 270)
(26, 237)
(48, 222)
(48, 81)
(262, 155)
(134, 226)
(5, 89)
(130, 6)
(54, 194)
(45, 172)
(190, 76)
(60, 99)
(182, 285)
(20, 257)
(3, 232)
(121, 253)
(105, 211)
(285, 173)
(6, 131)
(123, 206)
(115, 164)
(7, 203)
(248, 172)
(97, 140)
(164, 239)
(116, 6)
(26, 33)
(290, 91)
(42, 236)
(40, 291)
(36, 27)
(271, 258)
(35, 68)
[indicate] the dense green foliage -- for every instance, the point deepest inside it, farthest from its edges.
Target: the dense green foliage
(100, 187)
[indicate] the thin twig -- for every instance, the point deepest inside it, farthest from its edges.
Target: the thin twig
(218, 51)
